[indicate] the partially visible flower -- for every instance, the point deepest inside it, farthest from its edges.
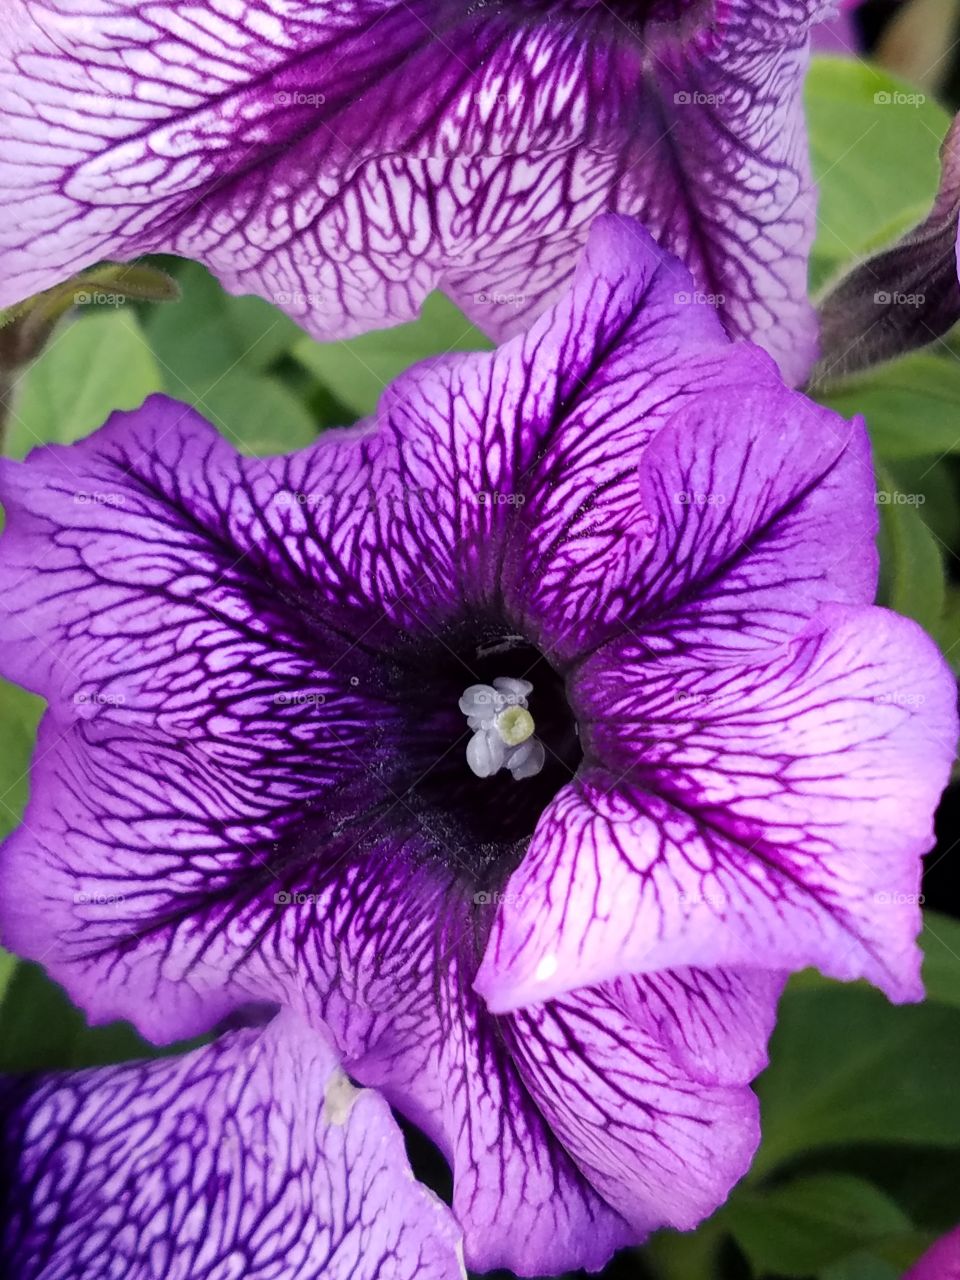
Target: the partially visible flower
(344, 159)
(254, 781)
(941, 1261)
(253, 1157)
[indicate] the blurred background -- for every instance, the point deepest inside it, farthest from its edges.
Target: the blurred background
(860, 1164)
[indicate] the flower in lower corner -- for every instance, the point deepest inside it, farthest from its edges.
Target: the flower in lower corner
(251, 1157)
(941, 1261)
(344, 159)
(520, 739)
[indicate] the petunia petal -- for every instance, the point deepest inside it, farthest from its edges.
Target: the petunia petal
(716, 1022)
(253, 1157)
(752, 532)
(522, 1201)
(662, 1148)
(516, 473)
(768, 815)
(542, 1113)
(344, 160)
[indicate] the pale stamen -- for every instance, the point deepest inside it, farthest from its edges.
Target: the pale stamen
(503, 729)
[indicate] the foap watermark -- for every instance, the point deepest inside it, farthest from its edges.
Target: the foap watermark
(300, 698)
(897, 98)
(894, 498)
(97, 499)
(689, 698)
(288, 898)
(900, 699)
(696, 98)
(716, 901)
(98, 298)
(515, 300)
(690, 498)
(96, 699)
(893, 899)
(494, 897)
(697, 298)
(298, 498)
(299, 98)
(97, 898)
(407, 496)
(296, 298)
(498, 498)
(896, 299)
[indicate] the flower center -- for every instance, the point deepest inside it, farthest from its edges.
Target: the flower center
(503, 736)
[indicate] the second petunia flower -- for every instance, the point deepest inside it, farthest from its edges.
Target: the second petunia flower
(520, 739)
(343, 159)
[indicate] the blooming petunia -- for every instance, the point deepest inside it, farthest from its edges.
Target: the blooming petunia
(252, 1153)
(520, 739)
(344, 159)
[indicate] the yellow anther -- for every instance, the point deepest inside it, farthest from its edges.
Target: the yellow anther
(514, 725)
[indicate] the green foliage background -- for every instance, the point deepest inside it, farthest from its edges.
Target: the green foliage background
(860, 1164)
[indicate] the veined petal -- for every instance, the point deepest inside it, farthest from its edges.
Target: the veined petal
(253, 1156)
(764, 509)
(716, 1022)
(663, 1149)
(543, 1112)
(516, 474)
(342, 160)
(522, 1201)
(768, 815)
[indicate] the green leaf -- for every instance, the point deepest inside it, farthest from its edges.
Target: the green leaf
(19, 716)
(947, 632)
(94, 365)
(132, 280)
(848, 1067)
(912, 579)
(801, 1226)
(923, 1181)
(357, 371)
(941, 958)
(202, 340)
(876, 161)
(7, 965)
(258, 414)
(936, 480)
(863, 1266)
(42, 1030)
(911, 405)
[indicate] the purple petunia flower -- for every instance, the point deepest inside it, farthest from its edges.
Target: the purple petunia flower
(520, 739)
(251, 1157)
(344, 159)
